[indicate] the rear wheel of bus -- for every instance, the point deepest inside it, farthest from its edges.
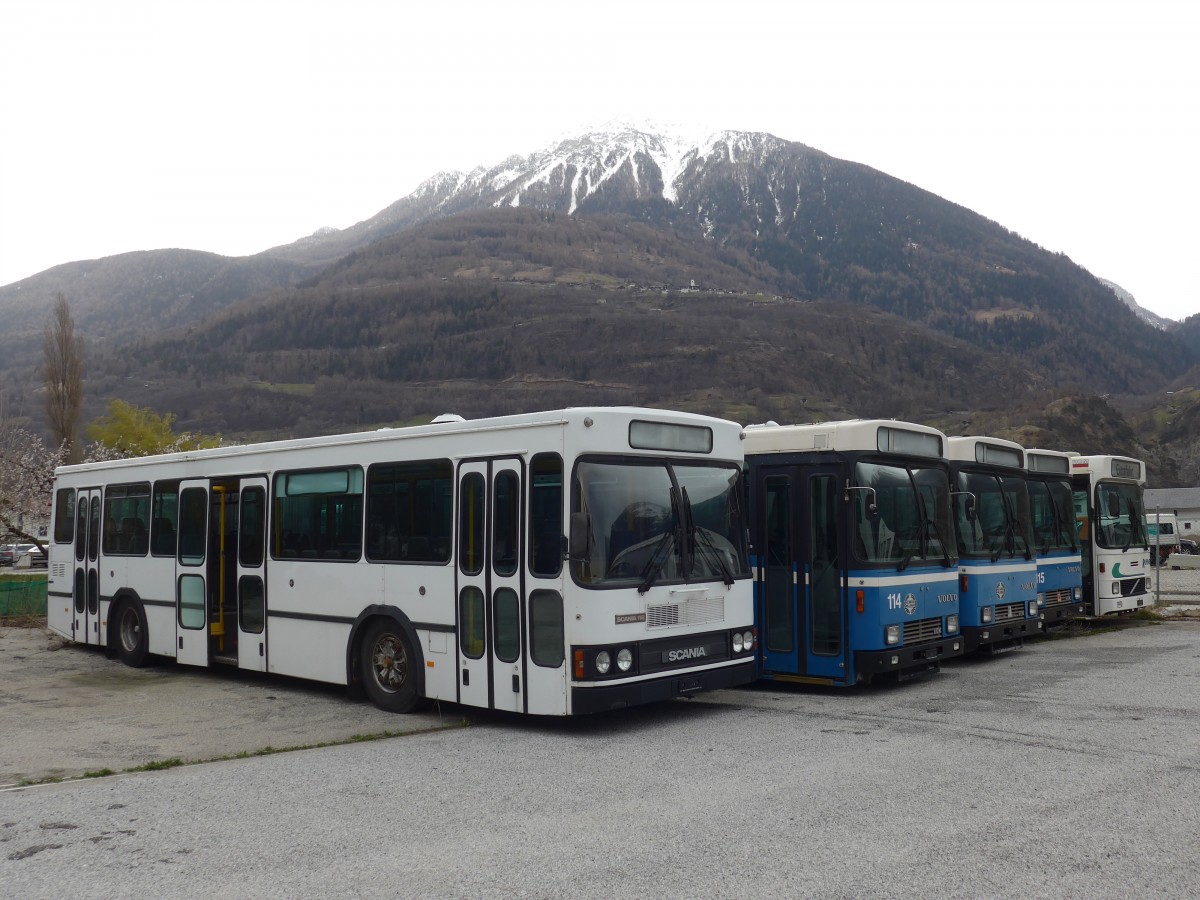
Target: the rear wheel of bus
(389, 668)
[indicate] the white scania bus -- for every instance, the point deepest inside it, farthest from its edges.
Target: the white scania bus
(553, 563)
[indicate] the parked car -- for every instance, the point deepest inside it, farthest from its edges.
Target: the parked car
(1188, 546)
(7, 554)
(37, 557)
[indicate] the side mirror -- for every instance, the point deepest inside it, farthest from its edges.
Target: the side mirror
(579, 543)
(969, 509)
(1114, 506)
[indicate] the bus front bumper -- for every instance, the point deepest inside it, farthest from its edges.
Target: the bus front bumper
(1058, 615)
(906, 661)
(999, 636)
(603, 697)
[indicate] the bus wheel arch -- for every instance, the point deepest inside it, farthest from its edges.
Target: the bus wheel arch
(128, 634)
(384, 660)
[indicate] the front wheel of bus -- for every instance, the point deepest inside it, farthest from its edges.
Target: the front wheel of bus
(132, 640)
(388, 668)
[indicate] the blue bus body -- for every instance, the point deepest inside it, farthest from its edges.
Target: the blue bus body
(1055, 541)
(853, 555)
(997, 570)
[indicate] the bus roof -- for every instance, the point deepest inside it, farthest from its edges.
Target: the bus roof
(1105, 466)
(882, 435)
(660, 431)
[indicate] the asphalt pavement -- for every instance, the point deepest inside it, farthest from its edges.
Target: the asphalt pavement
(1070, 768)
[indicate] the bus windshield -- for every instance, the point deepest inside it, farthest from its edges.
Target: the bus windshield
(904, 516)
(651, 521)
(1119, 507)
(1053, 516)
(992, 516)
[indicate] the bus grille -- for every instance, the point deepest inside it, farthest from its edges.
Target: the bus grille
(686, 612)
(922, 630)
(1131, 587)
(1061, 597)
(1007, 612)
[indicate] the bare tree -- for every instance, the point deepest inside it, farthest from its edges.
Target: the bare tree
(62, 372)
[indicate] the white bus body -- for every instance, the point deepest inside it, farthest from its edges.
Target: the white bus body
(1112, 532)
(427, 561)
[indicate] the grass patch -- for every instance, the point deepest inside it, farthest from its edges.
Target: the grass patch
(295, 390)
(157, 765)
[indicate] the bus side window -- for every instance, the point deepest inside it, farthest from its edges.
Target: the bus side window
(545, 515)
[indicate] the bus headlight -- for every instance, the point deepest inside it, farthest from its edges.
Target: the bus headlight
(1116, 589)
(1033, 608)
(737, 642)
(1075, 594)
(624, 659)
(951, 624)
(892, 635)
(748, 641)
(603, 662)
(1041, 600)
(985, 614)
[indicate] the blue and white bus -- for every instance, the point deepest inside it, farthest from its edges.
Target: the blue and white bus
(1055, 542)
(1111, 519)
(551, 563)
(997, 570)
(852, 551)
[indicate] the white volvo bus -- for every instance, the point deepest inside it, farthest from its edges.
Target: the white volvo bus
(1111, 520)
(554, 563)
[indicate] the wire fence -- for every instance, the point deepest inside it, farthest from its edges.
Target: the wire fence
(22, 596)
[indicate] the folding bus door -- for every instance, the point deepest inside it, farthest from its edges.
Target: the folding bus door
(251, 575)
(824, 567)
(85, 590)
(779, 615)
(490, 600)
(191, 576)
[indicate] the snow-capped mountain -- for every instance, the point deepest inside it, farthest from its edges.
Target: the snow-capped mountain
(623, 167)
(1159, 322)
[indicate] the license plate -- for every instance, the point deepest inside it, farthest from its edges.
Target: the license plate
(688, 685)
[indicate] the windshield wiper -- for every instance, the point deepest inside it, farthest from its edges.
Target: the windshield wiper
(699, 537)
(662, 549)
(928, 524)
(655, 563)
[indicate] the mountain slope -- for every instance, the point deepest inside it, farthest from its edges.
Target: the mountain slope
(895, 301)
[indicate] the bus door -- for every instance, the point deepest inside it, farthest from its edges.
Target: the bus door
(490, 598)
(85, 622)
(251, 575)
(191, 577)
(781, 625)
(801, 572)
(824, 564)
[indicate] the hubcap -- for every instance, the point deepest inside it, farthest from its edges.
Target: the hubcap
(131, 632)
(390, 663)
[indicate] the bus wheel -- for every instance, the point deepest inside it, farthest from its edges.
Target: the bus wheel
(132, 639)
(388, 668)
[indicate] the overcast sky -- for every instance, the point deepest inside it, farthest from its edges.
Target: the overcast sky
(235, 126)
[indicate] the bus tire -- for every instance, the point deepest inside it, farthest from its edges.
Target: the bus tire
(132, 639)
(388, 667)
